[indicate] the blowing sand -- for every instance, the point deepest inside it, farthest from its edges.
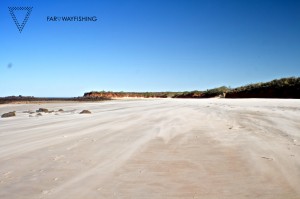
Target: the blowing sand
(164, 148)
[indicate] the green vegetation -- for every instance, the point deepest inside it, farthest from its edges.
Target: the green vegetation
(215, 92)
(277, 83)
(111, 94)
(279, 88)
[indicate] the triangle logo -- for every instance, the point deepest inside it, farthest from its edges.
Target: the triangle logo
(20, 24)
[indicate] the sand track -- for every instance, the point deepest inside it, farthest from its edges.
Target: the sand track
(164, 148)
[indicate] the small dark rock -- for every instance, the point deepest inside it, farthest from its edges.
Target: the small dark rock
(85, 112)
(60, 110)
(39, 114)
(43, 110)
(9, 114)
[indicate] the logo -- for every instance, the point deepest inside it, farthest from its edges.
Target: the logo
(20, 21)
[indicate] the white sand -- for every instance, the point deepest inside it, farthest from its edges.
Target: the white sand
(167, 148)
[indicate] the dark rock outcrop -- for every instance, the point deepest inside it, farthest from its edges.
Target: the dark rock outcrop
(42, 110)
(9, 114)
(85, 112)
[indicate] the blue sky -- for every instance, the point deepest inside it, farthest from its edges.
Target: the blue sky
(147, 45)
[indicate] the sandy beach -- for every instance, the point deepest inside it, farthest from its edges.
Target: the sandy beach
(155, 148)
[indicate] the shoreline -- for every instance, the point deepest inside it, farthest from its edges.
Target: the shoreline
(92, 100)
(30, 100)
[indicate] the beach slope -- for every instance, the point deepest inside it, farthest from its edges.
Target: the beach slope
(155, 148)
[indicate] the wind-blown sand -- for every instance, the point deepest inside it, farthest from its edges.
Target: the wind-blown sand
(161, 148)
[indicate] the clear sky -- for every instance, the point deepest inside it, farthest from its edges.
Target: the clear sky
(147, 45)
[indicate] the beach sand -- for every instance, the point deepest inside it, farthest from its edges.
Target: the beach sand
(155, 148)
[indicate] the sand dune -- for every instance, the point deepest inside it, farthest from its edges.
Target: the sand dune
(160, 148)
